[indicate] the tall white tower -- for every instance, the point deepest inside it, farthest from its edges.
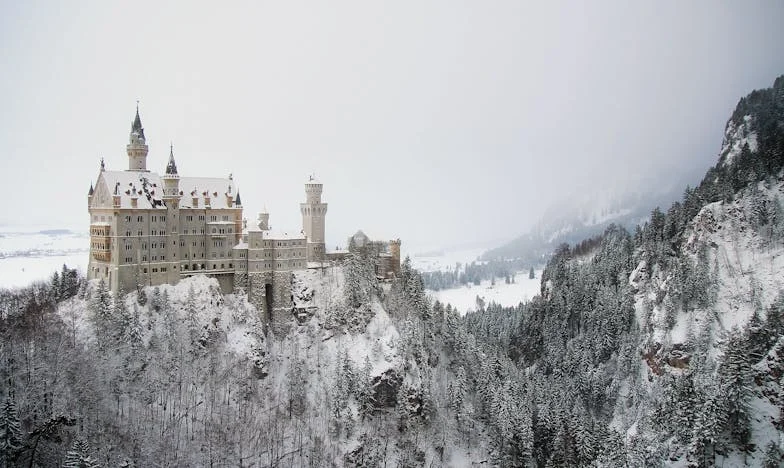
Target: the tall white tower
(313, 214)
(137, 145)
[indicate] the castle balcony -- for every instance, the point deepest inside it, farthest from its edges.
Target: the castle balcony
(100, 229)
(100, 241)
(102, 256)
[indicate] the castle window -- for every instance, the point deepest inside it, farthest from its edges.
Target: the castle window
(225, 218)
(185, 267)
(195, 266)
(189, 218)
(128, 219)
(231, 266)
(155, 270)
(214, 266)
(154, 219)
(201, 217)
(213, 218)
(144, 259)
(223, 265)
(145, 270)
(140, 232)
(140, 218)
(163, 257)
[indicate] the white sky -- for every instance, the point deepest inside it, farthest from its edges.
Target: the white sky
(438, 122)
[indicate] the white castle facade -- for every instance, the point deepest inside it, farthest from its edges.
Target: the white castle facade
(148, 229)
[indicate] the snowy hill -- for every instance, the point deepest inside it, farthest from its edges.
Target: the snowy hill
(586, 215)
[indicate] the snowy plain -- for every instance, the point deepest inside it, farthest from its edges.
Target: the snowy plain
(31, 253)
(464, 298)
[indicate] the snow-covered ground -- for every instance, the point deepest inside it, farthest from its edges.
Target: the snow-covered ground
(444, 260)
(464, 298)
(28, 254)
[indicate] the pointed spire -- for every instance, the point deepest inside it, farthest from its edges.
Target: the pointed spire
(136, 127)
(90, 193)
(171, 167)
(103, 165)
(238, 201)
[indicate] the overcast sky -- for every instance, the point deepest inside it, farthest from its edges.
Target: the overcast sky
(437, 122)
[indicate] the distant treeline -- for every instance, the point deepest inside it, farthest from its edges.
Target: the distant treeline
(474, 273)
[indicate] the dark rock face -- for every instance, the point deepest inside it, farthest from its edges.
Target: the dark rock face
(385, 388)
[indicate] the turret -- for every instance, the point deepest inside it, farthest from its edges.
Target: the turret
(313, 216)
(394, 250)
(264, 221)
(137, 145)
(171, 179)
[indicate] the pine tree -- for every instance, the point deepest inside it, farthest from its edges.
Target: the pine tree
(79, 456)
(101, 309)
(735, 375)
(365, 401)
(531, 274)
(10, 433)
(457, 393)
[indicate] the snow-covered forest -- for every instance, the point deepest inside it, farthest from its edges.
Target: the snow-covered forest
(658, 347)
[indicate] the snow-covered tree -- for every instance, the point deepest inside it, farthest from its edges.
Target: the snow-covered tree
(79, 456)
(10, 433)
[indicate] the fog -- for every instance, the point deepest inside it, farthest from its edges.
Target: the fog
(440, 123)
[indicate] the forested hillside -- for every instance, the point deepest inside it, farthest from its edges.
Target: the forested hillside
(660, 347)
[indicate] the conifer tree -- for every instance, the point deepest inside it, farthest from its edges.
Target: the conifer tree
(735, 376)
(79, 456)
(365, 389)
(10, 433)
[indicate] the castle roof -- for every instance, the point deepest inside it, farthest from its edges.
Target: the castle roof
(277, 235)
(171, 167)
(147, 188)
(136, 127)
(216, 188)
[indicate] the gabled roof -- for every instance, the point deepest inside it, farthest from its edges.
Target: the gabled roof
(146, 187)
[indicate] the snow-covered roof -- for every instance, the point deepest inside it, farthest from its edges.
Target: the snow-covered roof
(281, 235)
(216, 188)
(270, 234)
(241, 246)
(146, 187)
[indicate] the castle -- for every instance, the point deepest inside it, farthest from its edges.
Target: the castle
(148, 229)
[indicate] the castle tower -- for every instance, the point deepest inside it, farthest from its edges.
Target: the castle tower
(264, 220)
(313, 215)
(171, 198)
(394, 250)
(171, 179)
(137, 145)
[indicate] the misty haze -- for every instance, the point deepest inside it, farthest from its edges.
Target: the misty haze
(359, 234)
